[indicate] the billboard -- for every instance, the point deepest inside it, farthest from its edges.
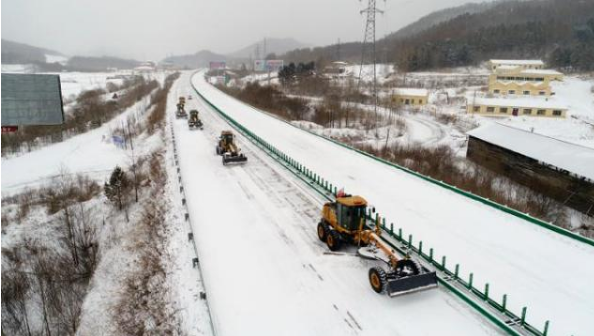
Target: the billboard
(31, 100)
(268, 65)
(217, 65)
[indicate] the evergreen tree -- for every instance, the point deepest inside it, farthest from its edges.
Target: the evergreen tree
(117, 188)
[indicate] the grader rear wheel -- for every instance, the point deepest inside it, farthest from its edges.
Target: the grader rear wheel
(333, 240)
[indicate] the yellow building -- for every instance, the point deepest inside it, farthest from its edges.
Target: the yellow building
(513, 80)
(523, 64)
(409, 96)
(525, 107)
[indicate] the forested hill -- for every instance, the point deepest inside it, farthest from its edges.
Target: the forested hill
(559, 31)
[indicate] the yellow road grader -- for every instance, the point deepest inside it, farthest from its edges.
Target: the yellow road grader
(227, 148)
(345, 222)
(194, 121)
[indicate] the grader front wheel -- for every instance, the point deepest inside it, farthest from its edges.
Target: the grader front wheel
(377, 279)
(322, 232)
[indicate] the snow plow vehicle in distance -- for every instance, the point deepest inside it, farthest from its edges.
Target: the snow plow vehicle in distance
(345, 222)
(228, 149)
(194, 121)
(181, 112)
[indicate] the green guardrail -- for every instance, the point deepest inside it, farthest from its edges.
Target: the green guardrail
(328, 190)
(486, 201)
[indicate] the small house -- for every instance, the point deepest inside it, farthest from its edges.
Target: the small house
(410, 96)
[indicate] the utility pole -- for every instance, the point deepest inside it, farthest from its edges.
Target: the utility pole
(338, 50)
(369, 53)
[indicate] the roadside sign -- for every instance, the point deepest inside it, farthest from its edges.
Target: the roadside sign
(31, 99)
(9, 129)
(217, 65)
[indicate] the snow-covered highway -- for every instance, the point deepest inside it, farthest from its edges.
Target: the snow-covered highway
(516, 257)
(264, 269)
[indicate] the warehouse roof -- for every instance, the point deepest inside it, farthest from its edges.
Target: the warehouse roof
(574, 158)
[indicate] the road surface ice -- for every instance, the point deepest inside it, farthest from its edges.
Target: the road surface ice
(266, 272)
(536, 267)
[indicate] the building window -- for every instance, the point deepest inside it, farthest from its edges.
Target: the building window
(527, 111)
(420, 101)
(490, 109)
(542, 93)
(511, 91)
(541, 112)
(557, 113)
(496, 91)
(526, 93)
(412, 101)
(476, 108)
(503, 110)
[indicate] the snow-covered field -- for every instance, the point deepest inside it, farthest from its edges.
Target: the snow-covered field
(265, 270)
(514, 256)
(73, 83)
(91, 153)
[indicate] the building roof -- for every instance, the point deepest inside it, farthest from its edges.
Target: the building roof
(574, 158)
(411, 92)
(528, 102)
(516, 62)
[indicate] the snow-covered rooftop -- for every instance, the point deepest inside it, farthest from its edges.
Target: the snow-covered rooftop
(571, 157)
(521, 101)
(411, 92)
(518, 62)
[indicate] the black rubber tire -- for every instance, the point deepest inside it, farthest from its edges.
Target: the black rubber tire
(224, 161)
(377, 279)
(218, 150)
(333, 240)
(322, 231)
(407, 267)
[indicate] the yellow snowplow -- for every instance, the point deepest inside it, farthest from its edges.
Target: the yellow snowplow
(227, 148)
(345, 222)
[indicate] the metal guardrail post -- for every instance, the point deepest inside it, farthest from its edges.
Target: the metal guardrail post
(523, 318)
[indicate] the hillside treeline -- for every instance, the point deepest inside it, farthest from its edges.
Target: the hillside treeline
(561, 32)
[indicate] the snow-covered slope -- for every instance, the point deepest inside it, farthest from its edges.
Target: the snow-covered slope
(514, 256)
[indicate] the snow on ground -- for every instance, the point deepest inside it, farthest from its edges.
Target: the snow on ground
(49, 58)
(18, 68)
(73, 83)
(382, 70)
(514, 256)
(91, 153)
(265, 270)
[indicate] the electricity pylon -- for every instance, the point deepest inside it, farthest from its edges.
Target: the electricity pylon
(368, 54)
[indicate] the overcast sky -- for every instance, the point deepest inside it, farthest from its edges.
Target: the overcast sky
(153, 29)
